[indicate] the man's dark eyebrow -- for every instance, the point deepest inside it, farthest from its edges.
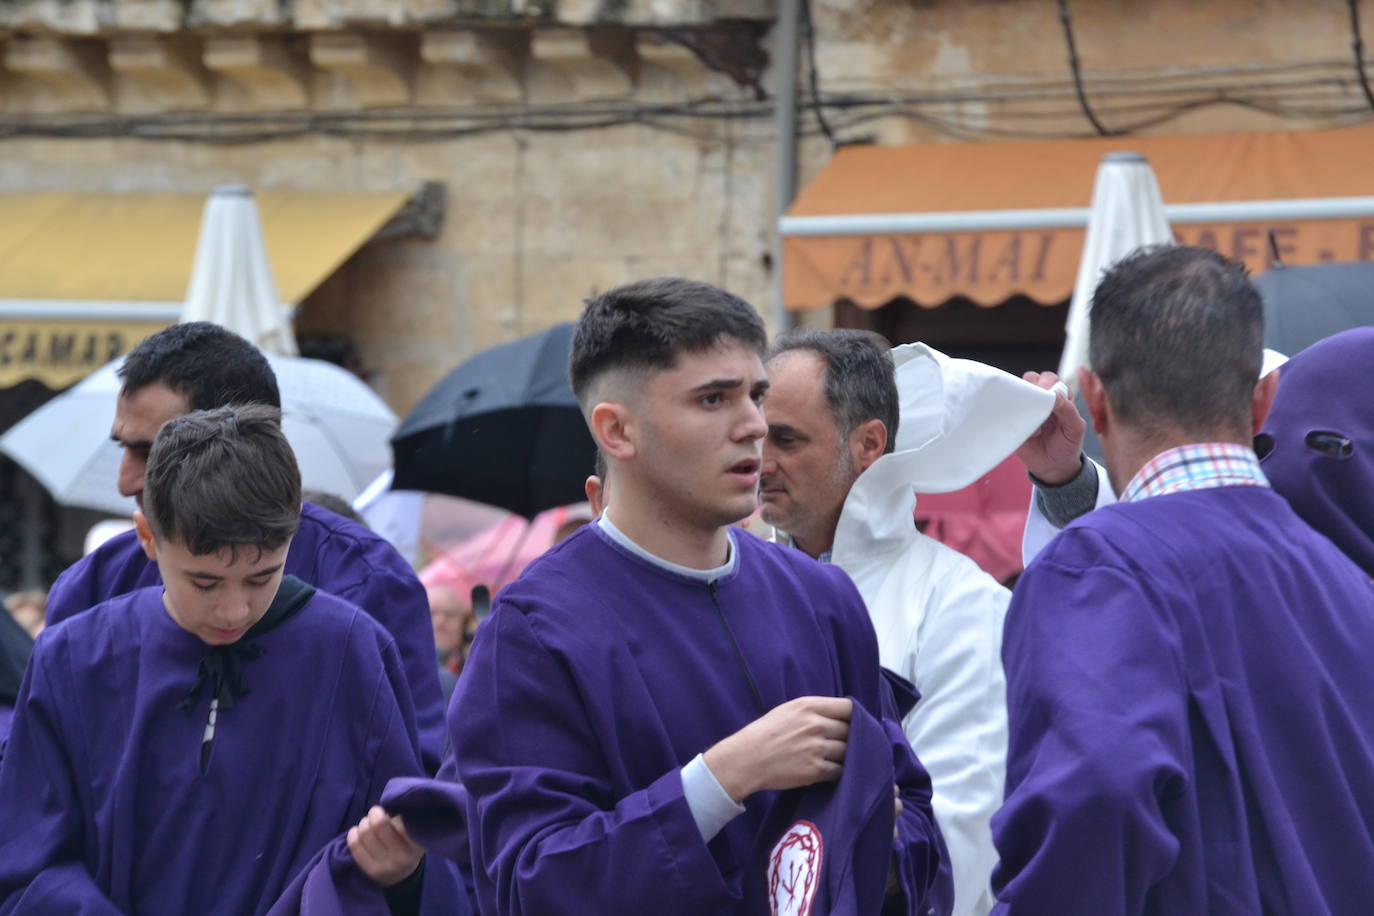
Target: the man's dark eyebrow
(142, 444)
(782, 429)
(718, 384)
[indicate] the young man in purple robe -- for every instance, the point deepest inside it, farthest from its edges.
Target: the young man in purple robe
(1188, 678)
(200, 366)
(189, 746)
(640, 703)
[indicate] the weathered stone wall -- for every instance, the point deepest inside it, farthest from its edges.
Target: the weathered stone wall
(546, 121)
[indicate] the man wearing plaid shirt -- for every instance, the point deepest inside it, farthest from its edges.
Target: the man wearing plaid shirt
(1187, 680)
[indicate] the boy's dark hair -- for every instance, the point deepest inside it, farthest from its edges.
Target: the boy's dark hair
(860, 378)
(223, 478)
(208, 365)
(645, 325)
(1177, 340)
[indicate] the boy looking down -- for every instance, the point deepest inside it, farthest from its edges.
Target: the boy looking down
(187, 747)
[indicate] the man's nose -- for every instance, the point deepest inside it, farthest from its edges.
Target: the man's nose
(132, 469)
(753, 425)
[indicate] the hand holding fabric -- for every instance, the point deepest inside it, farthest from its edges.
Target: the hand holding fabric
(798, 743)
(383, 849)
(1053, 453)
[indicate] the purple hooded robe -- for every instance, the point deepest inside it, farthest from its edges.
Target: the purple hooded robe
(1320, 440)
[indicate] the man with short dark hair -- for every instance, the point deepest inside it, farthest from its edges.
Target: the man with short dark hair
(656, 710)
(167, 755)
(833, 414)
(1187, 674)
(199, 366)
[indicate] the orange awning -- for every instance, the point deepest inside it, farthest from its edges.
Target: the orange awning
(1028, 200)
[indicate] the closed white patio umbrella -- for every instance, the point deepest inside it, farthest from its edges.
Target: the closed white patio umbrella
(1127, 213)
(231, 279)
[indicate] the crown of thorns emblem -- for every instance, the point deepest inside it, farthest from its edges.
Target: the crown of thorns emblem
(794, 870)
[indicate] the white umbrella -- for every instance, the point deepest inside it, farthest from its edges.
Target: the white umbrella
(1127, 213)
(338, 427)
(231, 280)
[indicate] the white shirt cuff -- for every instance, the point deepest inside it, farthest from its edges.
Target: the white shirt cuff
(712, 807)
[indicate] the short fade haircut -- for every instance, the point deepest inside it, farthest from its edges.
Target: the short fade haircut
(208, 365)
(645, 325)
(860, 378)
(1177, 339)
(223, 479)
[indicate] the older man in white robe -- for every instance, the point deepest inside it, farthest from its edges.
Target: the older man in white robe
(853, 433)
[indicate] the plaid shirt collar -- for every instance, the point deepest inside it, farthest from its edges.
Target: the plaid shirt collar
(1196, 467)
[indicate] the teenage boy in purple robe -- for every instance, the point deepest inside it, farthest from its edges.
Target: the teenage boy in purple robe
(200, 366)
(189, 746)
(640, 702)
(1188, 678)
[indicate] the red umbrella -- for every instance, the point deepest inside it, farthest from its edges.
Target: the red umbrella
(500, 553)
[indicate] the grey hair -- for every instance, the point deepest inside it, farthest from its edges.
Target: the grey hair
(860, 378)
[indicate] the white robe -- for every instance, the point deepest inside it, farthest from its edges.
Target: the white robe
(1039, 531)
(937, 615)
(938, 618)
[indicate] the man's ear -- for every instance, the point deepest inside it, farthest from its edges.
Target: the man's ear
(614, 428)
(1263, 400)
(595, 489)
(1095, 397)
(867, 443)
(144, 530)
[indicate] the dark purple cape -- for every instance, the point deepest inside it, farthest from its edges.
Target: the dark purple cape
(332, 553)
(1188, 689)
(104, 806)
(599, 675)
(1328, 388)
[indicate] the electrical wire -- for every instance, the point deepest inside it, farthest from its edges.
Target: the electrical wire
(1077, 73)
(973, 108)
(812, 76)
(1357, 45)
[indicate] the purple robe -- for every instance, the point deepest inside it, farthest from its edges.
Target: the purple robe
(15, 646)
(599, 675)
(105, 805)
(1188, 688)
(333, 885)
(330, 552)
(1324, 390)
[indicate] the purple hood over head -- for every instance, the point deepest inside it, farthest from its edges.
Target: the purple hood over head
(1322, 434)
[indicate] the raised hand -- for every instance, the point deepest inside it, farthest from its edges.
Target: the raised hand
(1054, 453)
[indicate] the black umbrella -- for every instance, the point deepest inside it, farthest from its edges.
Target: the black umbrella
(502, 429)
(1302, 305)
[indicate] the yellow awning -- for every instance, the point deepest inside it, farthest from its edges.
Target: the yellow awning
(87, 276)
(139, 247)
